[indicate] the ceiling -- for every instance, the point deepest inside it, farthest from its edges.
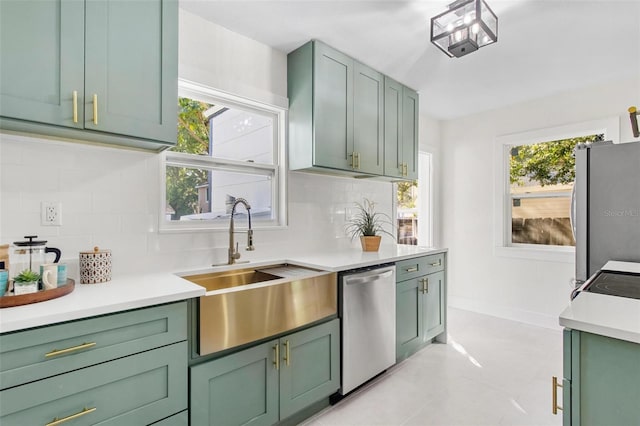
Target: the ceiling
(544, 46)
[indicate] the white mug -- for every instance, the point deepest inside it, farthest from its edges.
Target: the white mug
(49, 272)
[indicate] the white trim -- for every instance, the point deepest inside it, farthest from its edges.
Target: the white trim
(610, 127)
(278, 170)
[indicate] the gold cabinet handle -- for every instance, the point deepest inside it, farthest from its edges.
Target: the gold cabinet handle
(75, 106)
(438, 263)
(412, 269)
(95, 109)
(56, 421)
(426, 285)
(57, 352)
(357, 161)
(276, 356)
(287, 354)
(554, 395)
(353, 160)
(404, 169)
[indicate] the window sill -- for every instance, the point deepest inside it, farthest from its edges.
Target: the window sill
(545, 254)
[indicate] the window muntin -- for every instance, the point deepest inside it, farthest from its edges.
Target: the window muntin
(227, 148)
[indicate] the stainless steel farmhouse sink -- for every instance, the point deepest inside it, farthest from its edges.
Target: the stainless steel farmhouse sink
(250, 304)
(221, 280)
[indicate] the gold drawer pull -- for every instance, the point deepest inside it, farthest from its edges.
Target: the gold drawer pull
(57, 352)
(75, 106)
(438, 263)
(412, 269)
(56, 421)
(276, 356)
(95, 109)
(555, 385)
(287, 354)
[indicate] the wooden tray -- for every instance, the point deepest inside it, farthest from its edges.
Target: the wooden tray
(11, 300)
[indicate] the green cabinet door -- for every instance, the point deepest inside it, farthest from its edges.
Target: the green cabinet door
(392, 128)
(41, 60)
(368, 119)
(333, 108)
(433, 305)
(310, 367)
(409, 317)
(410, 121)
(238, 389)
(131, 68)
(605, 380)
(400, 130)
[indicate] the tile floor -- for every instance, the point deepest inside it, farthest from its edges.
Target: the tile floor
(491, 372)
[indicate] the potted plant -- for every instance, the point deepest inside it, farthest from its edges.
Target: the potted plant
(368, 225)
(26, 282)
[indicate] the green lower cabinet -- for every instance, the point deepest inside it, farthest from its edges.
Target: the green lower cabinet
(421, 301)
(434, 310)
(311, 367)
(239, 389)
(409, 318)
(604, 380)
(134, 390)
(269, 382)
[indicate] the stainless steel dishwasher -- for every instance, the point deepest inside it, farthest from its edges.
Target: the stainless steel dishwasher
(368, 311)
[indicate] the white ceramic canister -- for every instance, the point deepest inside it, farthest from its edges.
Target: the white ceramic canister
(95, 266)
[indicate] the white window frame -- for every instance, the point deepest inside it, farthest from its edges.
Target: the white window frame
(610, 127)
(278, 169)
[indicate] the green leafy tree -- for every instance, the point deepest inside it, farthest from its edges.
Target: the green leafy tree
(405, 194)
(547, 163)
(193, 138)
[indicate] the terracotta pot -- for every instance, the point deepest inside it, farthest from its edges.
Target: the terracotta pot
(370, 243)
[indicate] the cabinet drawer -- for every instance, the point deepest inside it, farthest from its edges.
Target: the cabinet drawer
(43, 352)
(134, 390)
(418, 266)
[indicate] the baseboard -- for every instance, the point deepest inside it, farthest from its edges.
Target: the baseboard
(527, 317)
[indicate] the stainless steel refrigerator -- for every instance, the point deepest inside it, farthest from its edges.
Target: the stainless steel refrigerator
(606, 205)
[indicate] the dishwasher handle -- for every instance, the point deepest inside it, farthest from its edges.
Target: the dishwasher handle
(369, 278)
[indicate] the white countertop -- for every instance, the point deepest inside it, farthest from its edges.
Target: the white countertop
(87, 300)
(611, 316)
(138, 291)
(342, 260)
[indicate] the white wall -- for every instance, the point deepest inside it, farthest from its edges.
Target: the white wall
(111, 197)
(214, 56)
(526, 290)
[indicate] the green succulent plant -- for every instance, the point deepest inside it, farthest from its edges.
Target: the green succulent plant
(367, 222)
(26, 276)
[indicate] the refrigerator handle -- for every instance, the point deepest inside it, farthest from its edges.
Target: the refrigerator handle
(580, 206)
(572, 212)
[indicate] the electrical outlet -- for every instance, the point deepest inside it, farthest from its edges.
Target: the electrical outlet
(51, 213)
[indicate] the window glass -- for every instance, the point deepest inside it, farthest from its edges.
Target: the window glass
(541, 178)
(414, 212)
(226, 149)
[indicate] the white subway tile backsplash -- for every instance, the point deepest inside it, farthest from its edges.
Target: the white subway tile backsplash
(111, 199)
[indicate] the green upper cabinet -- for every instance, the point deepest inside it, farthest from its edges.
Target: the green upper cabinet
(368, 119)
(401, 114)
(41, 60)
(95, 70)
(332, 99)
(336, 112)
